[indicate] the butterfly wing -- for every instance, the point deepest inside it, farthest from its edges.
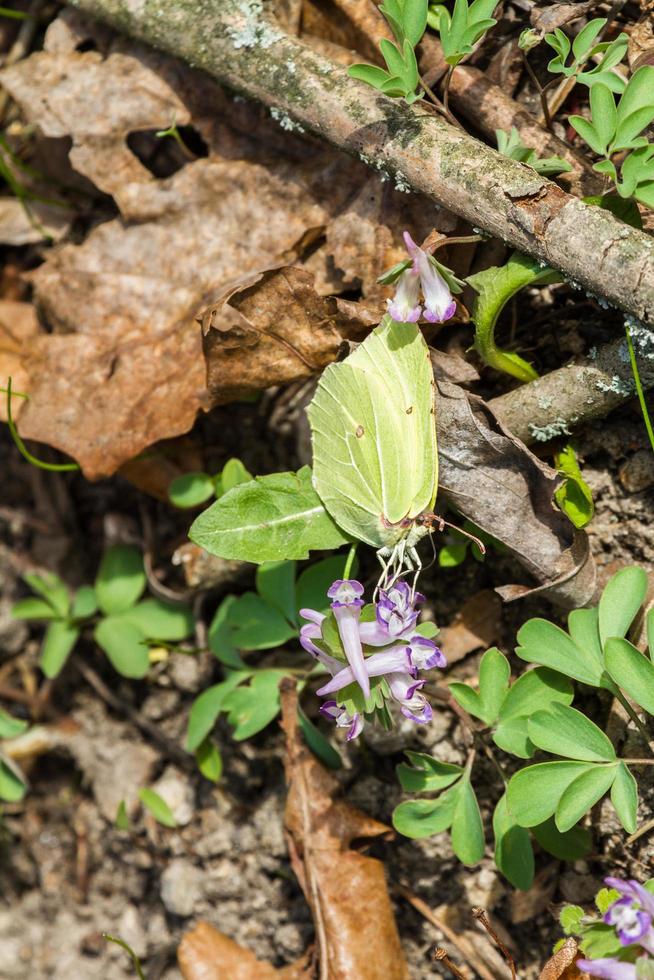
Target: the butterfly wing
(374, 436)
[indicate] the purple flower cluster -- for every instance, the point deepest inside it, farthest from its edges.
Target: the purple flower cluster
(402, 652)
(423, 273)
(631, 915)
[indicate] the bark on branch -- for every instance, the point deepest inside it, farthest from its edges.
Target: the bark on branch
(233, 42)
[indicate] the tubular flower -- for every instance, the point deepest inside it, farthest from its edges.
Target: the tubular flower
(631, 916)
(405, 306)
(346, 604)
(439, 302)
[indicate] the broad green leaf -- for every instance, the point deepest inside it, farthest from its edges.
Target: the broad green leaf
(534, 690)
(206, 708)
(51, 588)
(495, 287)
(269, 518)
(468, 698)
(209, 760)
(276, 584)
(624, 797)
(12, 786)
(411, 74)
(317, 742)
(588, 133)
(571, 846)
(426, 774)
(452, 555)
(256, 625)
(422, 818)
(33, 608)
(369, 74)
(514, 855)
(632, 126)
(565, 731)
(582, 794)
(10, 727)
(392, 57)
(120, 580)
(252, 706)
(583, 42)
(219, 636)
(604, 114)
(314, 581)
(574, 496)
(467, 829)
(631, 670)
(157, 807)
(414, 20)
(541, 642)
(570, 918)
(125, 646)
(191, 489)
(583, 627)
(58, 642)
(85, 603)
(604, 898)
(638, 93)
(494, 674)
(621, 599)
(233, 475)
(158, 620)
(600, 940)
(533, 792)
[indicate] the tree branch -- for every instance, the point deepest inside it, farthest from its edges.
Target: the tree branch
(234, 43)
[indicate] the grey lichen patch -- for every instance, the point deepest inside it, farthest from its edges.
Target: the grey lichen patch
(252, 31)
(642, 338)
(617, 385)
(285, 121)
(544, 403)
(401, 182)
(543, 433)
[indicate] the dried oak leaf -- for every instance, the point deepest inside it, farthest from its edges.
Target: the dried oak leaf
(272, 329)
(494, 480)
(19, 330)
(346, 891)
(207, 954)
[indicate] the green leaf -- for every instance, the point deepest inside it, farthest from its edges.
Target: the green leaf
(85, 603)
(120, 580)
(625, 210)
(600, 940)
(638, 93)
(649, 622)
(414, 20)
(393, 57)
(565, 731)
(494, 674)
(219, 636)
(276, 584)
(467, 829)
(582, 794)
(536, 689)
(52, 589)
(33, 608)
(606, 897)
(583, 627)
(206, 708)
(624, 797)
(58, 642)
(533, 792)
(452, 555)
(621, 599)
(191, 489)
(588, 133)
(631, 127)
(467, 697)
(314, 581)
(209, 760)
(541, 642)
(317, 742)
(422, 818)
(253, 706)
(631, 670)
(583, 42)
(12, 785)
(125, 646)
(370, 74)
(122, 818)
(10, 727)
(256, 625)
(157, 807)
(570, 918)
(514, 855)
(158, 620)
(270, 518)
(495, 287)
(574, 496)
(426, 774)
(234, 474)
(571, 846)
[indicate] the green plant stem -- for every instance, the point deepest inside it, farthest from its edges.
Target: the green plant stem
(639, 386)
(638, 762)
(632, 714)
(349, 561)
(438, 105)
(541, 91)
(446, 89)
(20, 445)
(128, 950)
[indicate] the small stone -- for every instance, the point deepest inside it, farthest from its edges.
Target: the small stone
(176, 790)
(637, 474)
(131, 930)
(181, 885)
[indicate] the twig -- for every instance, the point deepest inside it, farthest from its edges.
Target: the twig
(541, 92)
(440, 955)
(645, 829)
(480, 915)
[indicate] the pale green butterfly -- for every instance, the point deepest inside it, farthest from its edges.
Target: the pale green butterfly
(373, 425)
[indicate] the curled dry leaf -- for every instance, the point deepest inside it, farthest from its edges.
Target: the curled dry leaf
(561, 966)
(207, 954)
(477, 624)
(272, 329)
(356, 932)
(558, 15)
(495, 481)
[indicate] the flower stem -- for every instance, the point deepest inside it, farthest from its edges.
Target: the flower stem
(349, 561)
(639, 386)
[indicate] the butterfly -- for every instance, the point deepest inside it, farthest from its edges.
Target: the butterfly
(375, 459)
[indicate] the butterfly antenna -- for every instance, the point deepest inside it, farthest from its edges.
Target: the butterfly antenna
(466, 534)
(433, 554)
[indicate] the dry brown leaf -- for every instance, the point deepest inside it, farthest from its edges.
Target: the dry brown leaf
(353, 24)
(23, 224)
(558, 15)
(526, 905)
(355, 927)
(477, 624)
(274, 329)
(19, 327)
(561, 966)
(641, 43)
(207, 954)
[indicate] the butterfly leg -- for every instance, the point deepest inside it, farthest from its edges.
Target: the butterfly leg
(413, 564)
(385, 557)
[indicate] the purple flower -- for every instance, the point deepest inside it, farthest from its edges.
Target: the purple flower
(609, 968)
(439, 303)
(354, 723)
(406, 690)
(396, 609)
(632, 914)
(377, 665)
(346, 603)
(423, 654)
(405, 306)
